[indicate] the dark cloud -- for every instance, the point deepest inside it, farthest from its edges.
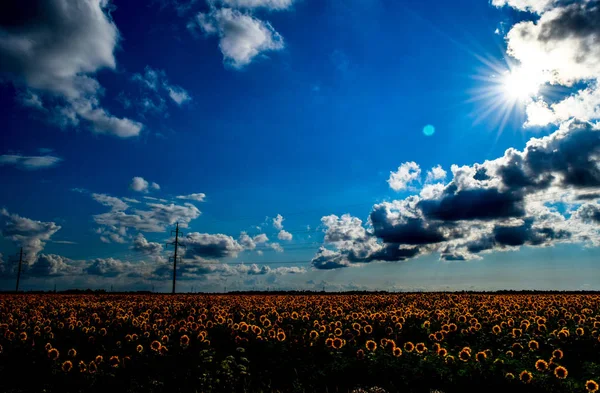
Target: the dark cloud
(580, 19)
(478, 204)
(526, 234)
(108, 267)
(499, 205)
(326, 259)
(589, 213)
(211, 246)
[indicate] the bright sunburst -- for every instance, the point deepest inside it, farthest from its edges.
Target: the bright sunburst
(521, 84)
(507, 89)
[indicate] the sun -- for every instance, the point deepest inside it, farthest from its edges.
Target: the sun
(506, 90)
(521, 84)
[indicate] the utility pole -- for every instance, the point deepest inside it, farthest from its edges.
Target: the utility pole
(174, 257)
(19, 270)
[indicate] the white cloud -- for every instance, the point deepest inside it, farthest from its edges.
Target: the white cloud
(242, 37)
(541, 196)
(39, 54)
(434, 174)
(30, 99)
(178, 94)
(198, 197)
(154, 217)
(275, 246)
(140, 184)
(268, 4)
(407, 173)
(537, 6)
(278, 222)
(157, 82)
(152, 249)
(30, 234)
(29, 163)
(261, 238)
(562, 48)
(284, 235)
(114, 203)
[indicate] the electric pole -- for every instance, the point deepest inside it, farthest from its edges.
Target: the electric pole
(174, 257)
(19, 270)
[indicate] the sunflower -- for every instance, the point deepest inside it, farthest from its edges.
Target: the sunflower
(591, 386)
(509, 376)
(464, 355)
(72, 352)
(420, 347)
(541, 365)
(560, 372)
(99, 359)
(281, 335)
(371, 345)
(510, 354)
(164, 350)
(184, 340)
(496, 329)
(53, 353)
(139, 348)
(525, 376)
(337, 343)
(92, 368)
(579, 331)
(397, 351)
(449, 359)
(82, 366)
(368, 329)
(114, 361)
(23, 336)
(155, 345)
(533, 345)
(557, 353)
(408, 346)
(480, 356)
(67, 366)
(360, 354)
(48, 346)
(442, 352)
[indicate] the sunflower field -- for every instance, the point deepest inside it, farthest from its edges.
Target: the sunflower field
(302, 343)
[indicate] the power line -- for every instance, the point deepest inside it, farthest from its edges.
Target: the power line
(174, 257)
(19, 270)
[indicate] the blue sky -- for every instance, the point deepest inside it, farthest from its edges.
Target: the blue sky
(122, 118)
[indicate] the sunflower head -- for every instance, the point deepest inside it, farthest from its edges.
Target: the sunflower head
(480, 356)
(371, 345)
(525, 376)
(541, 365)
(67, 366)
(560, 372)
(591, 386)
(53, 353)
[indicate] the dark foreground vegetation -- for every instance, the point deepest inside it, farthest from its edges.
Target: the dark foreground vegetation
(303, 343)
